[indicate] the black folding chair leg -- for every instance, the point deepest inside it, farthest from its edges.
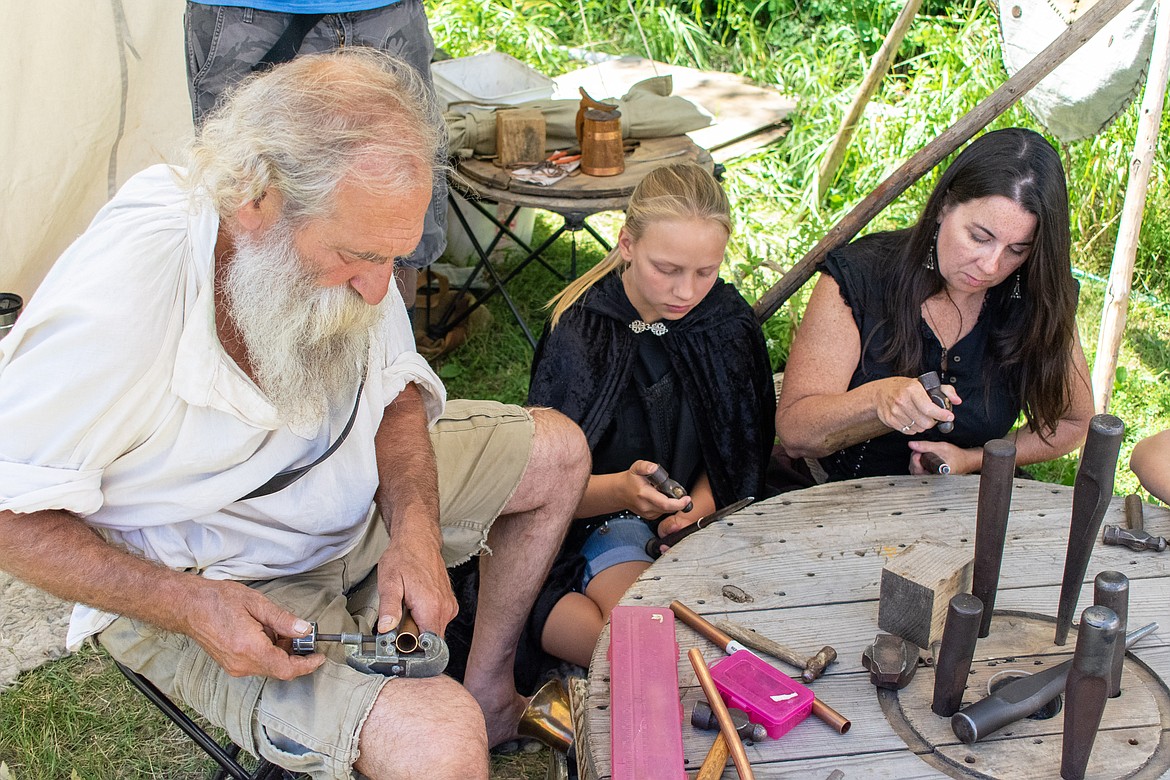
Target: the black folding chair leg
(225, 757)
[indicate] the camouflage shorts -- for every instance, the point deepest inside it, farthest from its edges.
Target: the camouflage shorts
(224, 43)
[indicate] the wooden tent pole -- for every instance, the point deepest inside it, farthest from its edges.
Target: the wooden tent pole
(1125, 250)
(1078, 33)
(877, 72)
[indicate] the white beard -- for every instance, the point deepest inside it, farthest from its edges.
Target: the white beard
(308, 345)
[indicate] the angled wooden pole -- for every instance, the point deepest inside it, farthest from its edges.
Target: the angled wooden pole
(878, 69)
(1125, 250)
(1078, 33)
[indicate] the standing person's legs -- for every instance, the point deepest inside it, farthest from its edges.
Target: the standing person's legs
(402, 29)
(523, 541)
(223, 44)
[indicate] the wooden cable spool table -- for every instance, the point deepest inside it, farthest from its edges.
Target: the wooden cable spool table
(804, 569)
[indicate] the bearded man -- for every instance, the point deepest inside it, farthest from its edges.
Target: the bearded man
(217, 429)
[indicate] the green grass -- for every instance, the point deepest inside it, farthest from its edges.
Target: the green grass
(78, 713)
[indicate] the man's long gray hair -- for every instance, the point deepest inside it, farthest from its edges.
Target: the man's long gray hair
(303, 126)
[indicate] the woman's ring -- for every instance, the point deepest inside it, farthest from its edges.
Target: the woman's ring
(905, 429)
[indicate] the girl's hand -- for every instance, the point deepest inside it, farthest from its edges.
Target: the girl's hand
(642, 498)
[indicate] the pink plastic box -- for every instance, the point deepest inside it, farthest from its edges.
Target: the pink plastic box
(768, 696)
(645, 708)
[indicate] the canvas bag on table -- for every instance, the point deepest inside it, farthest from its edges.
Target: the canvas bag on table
(648, 111)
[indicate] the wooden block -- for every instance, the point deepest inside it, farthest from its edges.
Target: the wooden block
(519, 136)
(916, 589)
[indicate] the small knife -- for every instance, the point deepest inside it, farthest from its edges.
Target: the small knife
(670, 540)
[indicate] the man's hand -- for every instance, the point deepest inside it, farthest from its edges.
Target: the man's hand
(412, 572)
(238, 627)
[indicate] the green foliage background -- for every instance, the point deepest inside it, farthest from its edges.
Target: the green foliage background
(818, 51)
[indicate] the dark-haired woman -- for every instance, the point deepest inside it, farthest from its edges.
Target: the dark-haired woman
(980, 290)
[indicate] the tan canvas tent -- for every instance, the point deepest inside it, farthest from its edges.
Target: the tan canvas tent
(92, 93)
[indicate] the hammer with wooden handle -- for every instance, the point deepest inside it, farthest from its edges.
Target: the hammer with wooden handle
(810, 668)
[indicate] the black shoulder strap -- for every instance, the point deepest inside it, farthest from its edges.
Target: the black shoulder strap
(289, 42)
(286, 478)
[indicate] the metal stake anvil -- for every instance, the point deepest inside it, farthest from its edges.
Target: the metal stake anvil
(891, 661)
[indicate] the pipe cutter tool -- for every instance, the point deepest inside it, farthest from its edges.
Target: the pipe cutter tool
(384, 653)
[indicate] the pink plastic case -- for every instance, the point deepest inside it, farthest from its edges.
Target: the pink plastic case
(768, 696)
(645, 709)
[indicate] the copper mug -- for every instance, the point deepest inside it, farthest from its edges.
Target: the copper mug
(601, 143)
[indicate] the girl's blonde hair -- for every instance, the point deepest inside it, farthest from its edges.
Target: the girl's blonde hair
(682, 190)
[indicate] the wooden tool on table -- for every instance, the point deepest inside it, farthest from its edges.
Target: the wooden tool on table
(810, 668)
(684, 613)
(995, 500)
(712, 768)
(1092, 492)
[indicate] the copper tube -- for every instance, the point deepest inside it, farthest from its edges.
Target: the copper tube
(712, 768)
(700, 624)
(726, 727)
(829, 715)
(407, 639)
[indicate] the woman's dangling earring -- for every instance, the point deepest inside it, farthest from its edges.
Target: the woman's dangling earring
(930, 264)
(1016, 288)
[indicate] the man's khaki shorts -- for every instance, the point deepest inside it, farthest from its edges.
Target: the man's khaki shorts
(311, 724)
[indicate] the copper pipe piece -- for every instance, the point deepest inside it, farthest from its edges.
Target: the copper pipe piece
(406, 641)
(726, 727)
(700, 624)
(839, 722)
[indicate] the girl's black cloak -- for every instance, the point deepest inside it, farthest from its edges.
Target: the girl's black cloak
(583, 366)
